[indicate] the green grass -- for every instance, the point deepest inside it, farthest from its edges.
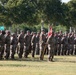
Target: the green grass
(63, 65)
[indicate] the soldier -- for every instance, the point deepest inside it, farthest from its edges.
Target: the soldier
(65, 44)
(46, 49)
(27, 44)
(21, 41)
(2, 44)
(42, 44)
(75, 44)
(71, 43)
(37, 43)
(33, 43)
(14, 45)
(7, 42)
(59, 43)
(51, 47)
(56, 44)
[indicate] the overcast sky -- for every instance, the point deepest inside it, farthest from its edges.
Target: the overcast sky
(65, 1)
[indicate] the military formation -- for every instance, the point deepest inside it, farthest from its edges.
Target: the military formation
(38, 43)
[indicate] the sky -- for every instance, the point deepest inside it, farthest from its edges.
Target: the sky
(65, 1)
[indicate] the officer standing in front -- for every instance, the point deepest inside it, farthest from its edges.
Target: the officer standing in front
(42, 44)
(51, 47)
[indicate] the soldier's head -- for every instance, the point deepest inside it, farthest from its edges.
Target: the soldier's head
(28, 32)
(22, 32)
(43, 31)
(34, 33)
(3, 32)
(14, 35)
(8, 33)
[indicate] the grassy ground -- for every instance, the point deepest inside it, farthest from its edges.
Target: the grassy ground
(63, 65)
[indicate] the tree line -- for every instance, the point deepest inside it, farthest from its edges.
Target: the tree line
(32, 12)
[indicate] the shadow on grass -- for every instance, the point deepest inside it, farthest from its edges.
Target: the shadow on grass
(36, 59)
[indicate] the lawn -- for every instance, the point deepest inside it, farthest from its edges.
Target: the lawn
(62, 65)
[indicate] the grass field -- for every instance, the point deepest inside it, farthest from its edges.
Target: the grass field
(62, 65)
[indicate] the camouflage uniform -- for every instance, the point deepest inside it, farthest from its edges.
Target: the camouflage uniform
(65, 45)
(8, 42)
(56, 44)
(37, 44)
(51, 47)
(31, 38)
(71, 44)
(21, 41)
(14, 45)
(59, 44)
(75, 45)
(2, 44)
(27, 44)
(33, 43)
(42, 44)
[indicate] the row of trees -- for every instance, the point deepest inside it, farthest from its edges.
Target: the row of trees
(33, 11)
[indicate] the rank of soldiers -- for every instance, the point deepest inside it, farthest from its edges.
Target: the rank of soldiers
(37, 44)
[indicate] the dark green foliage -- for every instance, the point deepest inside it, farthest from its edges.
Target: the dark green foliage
(32, 12)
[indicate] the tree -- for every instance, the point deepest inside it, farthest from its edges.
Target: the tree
(22, 11)
(72, 12)
(53, 11)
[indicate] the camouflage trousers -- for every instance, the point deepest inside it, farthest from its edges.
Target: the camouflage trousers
(59, 47)
(65, 49)
(75, 50)
(42, 50)
(33, 50)
(21, 50)
(13, 51)
(27, 50)
(51, 52)
(7, 51)
(37, 49)
(1, 51)
(71, 49)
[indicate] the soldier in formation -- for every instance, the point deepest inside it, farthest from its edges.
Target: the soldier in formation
(8, 43)
(27, 44)
(2, 44)
(14, 45)
(36, 44)
(21, 41)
